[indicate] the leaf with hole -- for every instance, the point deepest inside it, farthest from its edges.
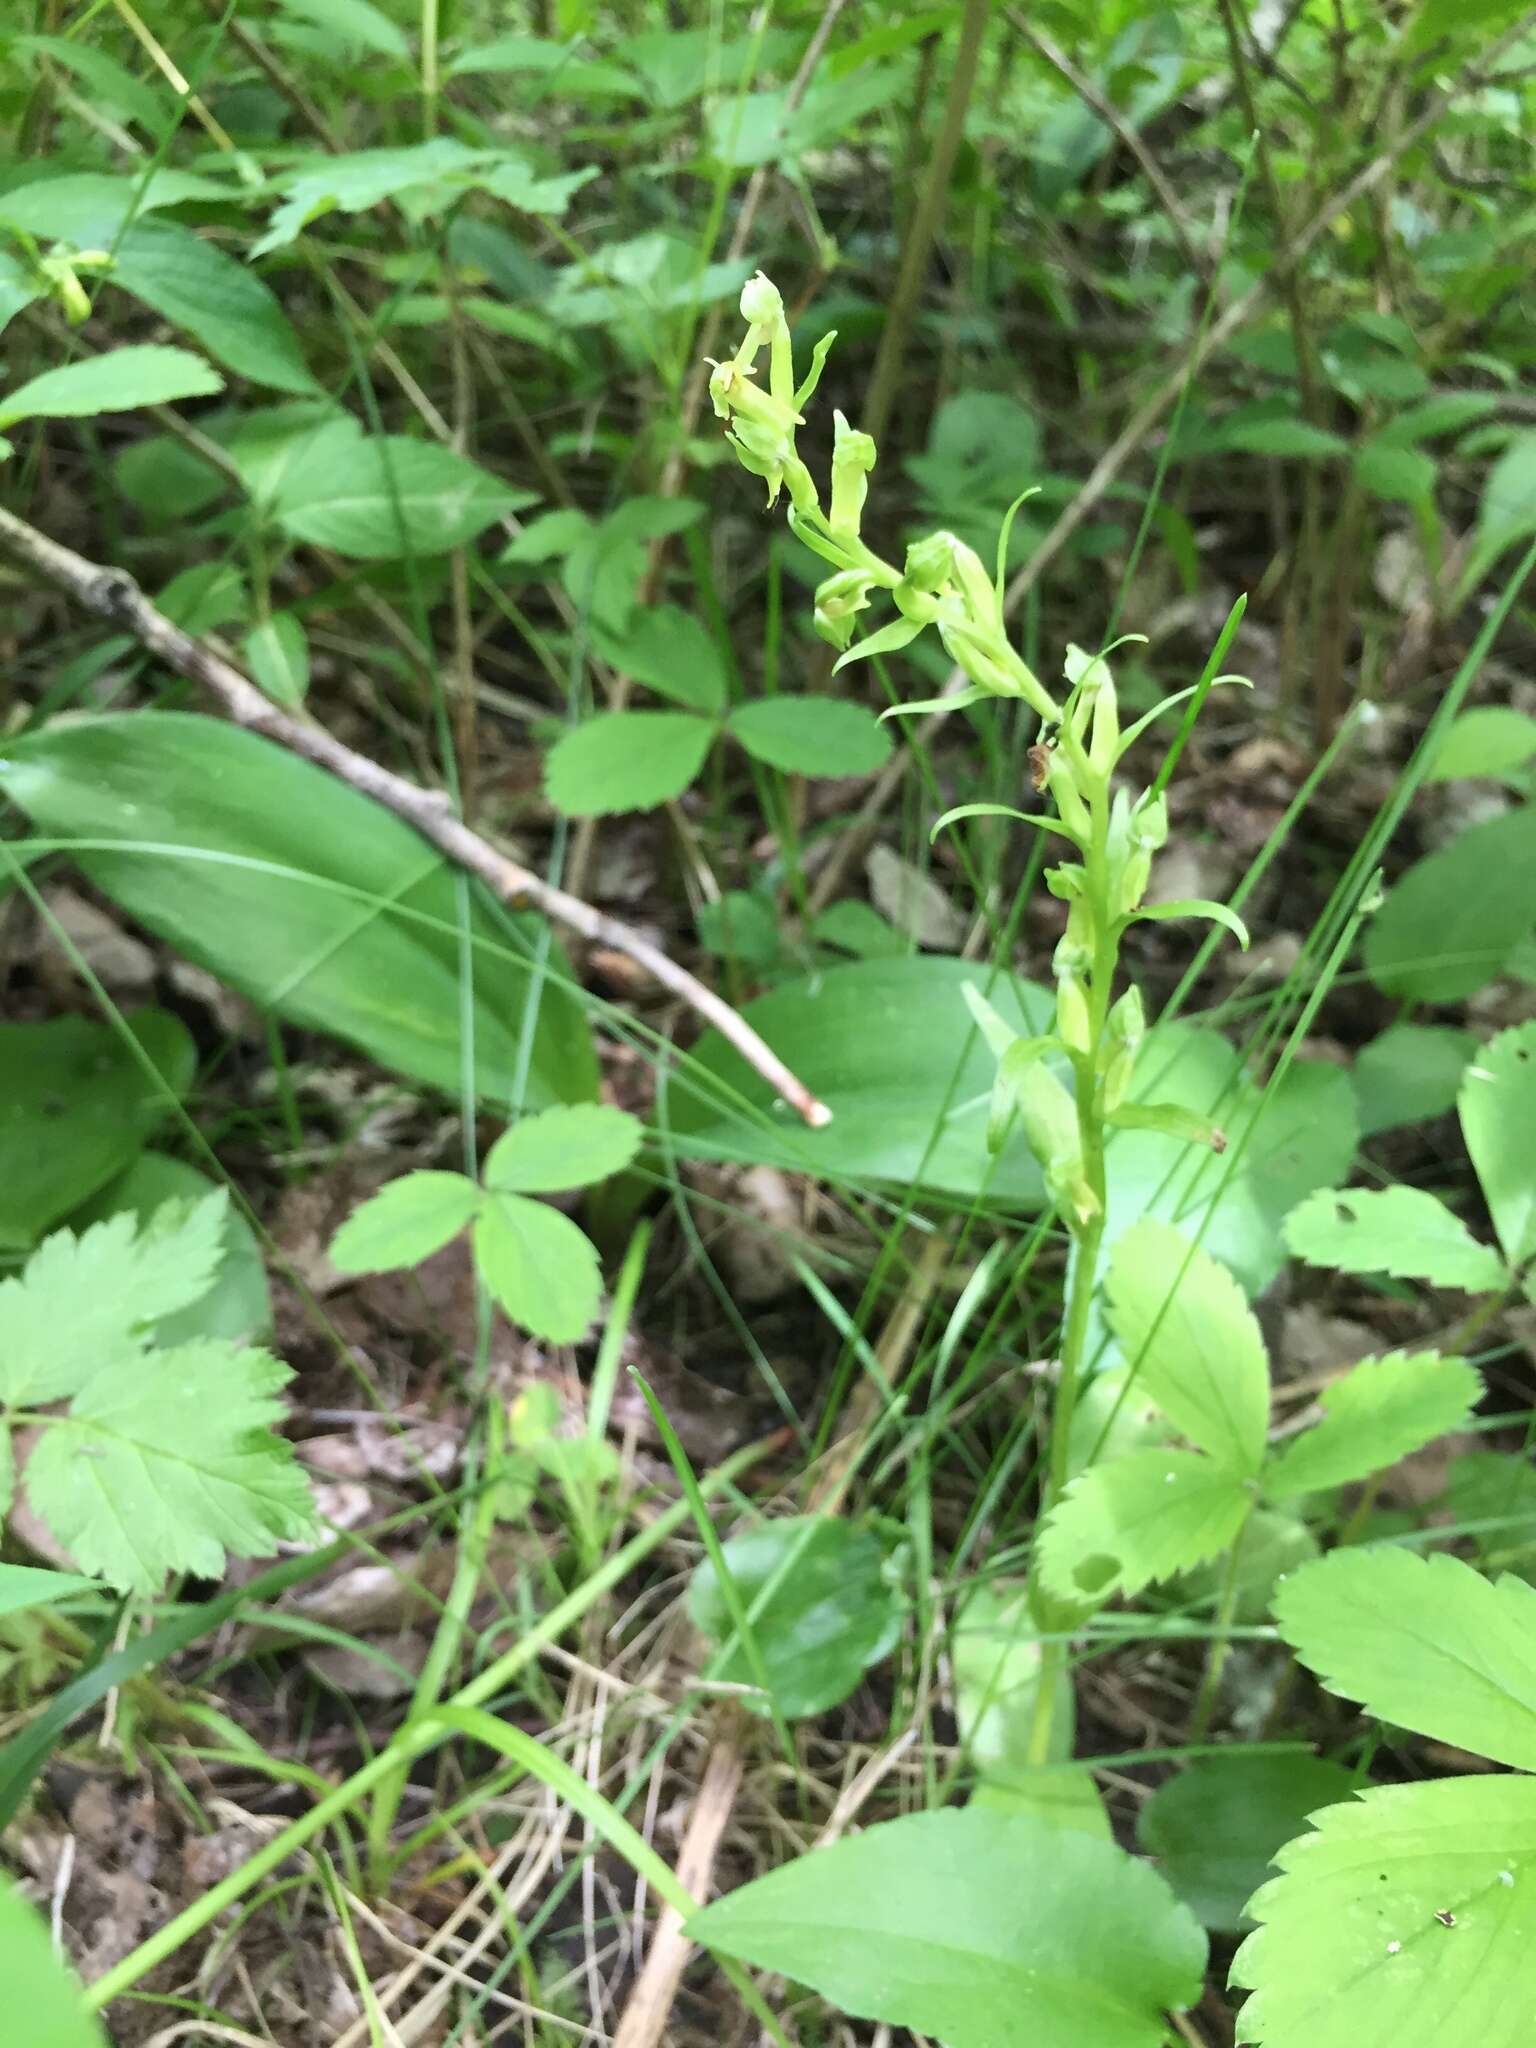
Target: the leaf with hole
(405, 1222)
(625, 761)
(983, 1928)
(1498, 1120)
(1216, 1827)
(1382, 1411)
(571, 1146)
(307, 897)
(1124, 1524)
(1404, 1231)
(819, 1604)
(76, 1106)
(811, 735)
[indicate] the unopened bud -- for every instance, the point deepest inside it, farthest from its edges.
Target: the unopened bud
(1074, 812)
(761, 302)
(1149, 823)
(1072, 1022)
(853, 457)
(838, 599)
(930, 563)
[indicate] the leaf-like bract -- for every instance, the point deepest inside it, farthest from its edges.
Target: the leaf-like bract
(1192, 1342)
(988, 1929)
(1428, 1643)
(1404, 1231)
(164, 1464)
(539, 1266)
(1384, 1410)
(1124, 1524)
(405, 1222)
(1498, 1120)
(1406, 1920)
(567, 1147)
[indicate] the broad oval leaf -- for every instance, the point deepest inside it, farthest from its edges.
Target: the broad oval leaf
(1443, 931)
(811, 735)
(1404, 1231)
(625, 761)
(987, 1929)
(539, 1265)
(1407, 1920)
(1192, 1343)
(387, 497)
(1126, 1523)
(144, 374)
(1384, 1410)
(302, 894)
(195, 285)
(819, 1605)
(567, 1147)
(1498, 1120)
(664, 647)
(76, 1108)
(1490, 739)
(277, 654)
(405, 1222)
(1426, 1642)
(1409, 1074)
(1216, 1827)
(37, 1984)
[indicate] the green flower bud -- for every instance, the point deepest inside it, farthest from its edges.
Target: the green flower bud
(853, 457)
(1072, 1023)
(977, 586)
(1134, 877)
(1149, 823)
(1104, 747)
(930, 563)
(838, 599)
(761, 303)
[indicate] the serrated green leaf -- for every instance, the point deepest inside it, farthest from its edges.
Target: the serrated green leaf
(568, 1147)
(811, 735)
(625, 761)
(37, 1984)
(1380, 1412)
(819, 1605)
(662, 646)
(165, 1463)
(1498, 1120)
(980, 1927)
(1122, 1525)
(539, 1266)
(144, 374)
(80, 1302)
(1425, 1642)
(1407, 1920)
(1192, 1342)
(1216, 1827)
(1404, 1231)
(405, 1222)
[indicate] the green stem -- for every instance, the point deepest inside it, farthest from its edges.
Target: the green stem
(413, 1740)
(1221, 1642)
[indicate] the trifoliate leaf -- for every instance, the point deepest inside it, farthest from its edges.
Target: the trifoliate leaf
(1425, 1642)
(1382, 1411)
(1498, 1120)
(567, 1147)
(404, 1223)
(819, 1604)
(1403, 1231)
(1192, 1342)
(1406, 1920)
(988, 1929)
(539, 1266)
(80, 1300)
(1149, 1516)
(164, 1465)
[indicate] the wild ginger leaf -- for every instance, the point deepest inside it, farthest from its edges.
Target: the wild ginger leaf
(165, 1464)
(570, 1146)
(1406, 1919)
(988, 1929)
(1192, 1342)
(80, 1300)
(539, 1265)
(405, 1222)
(1384, 1410)
(1426, 1642)
(1124, 1524)
(1403, 1231)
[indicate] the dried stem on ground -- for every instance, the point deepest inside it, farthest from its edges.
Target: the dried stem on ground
(113, 594)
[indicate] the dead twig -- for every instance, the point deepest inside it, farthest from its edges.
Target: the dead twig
(113, 594)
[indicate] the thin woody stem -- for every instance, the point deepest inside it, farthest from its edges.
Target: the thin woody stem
(112, 594)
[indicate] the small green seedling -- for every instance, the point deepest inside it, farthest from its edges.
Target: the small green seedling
(148, 1459)
(538, 1264)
